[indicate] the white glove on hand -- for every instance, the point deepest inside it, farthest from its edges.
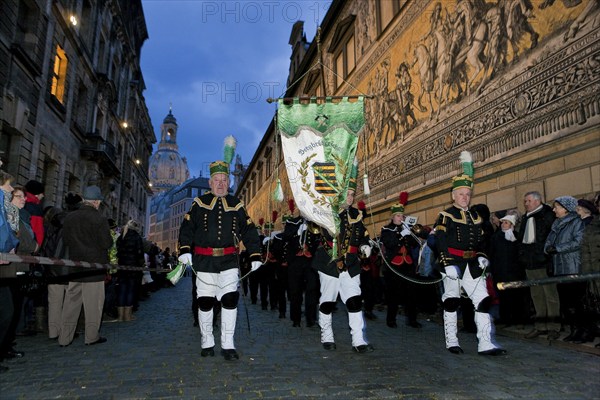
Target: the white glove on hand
(366, 250)
(266, 240)
(301, 229)
(483, 262)
(405, 232)
(255, 265)
(451, 272)
(185, 259)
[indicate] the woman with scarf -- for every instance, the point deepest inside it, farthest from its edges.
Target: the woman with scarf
(505, 268)
(564, 245)
(8, 244)
(18, 219)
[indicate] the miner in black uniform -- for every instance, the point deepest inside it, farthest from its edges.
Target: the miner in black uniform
(341, 276)
(301, 238)
(279, 277)
(208, 240)
(397, 243)
(460, 242)
(266, 276)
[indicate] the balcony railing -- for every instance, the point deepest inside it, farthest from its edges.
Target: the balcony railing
(97, 149)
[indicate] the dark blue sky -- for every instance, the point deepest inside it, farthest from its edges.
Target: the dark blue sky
(216, 63)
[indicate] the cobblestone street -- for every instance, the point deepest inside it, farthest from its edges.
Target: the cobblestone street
(157, 356)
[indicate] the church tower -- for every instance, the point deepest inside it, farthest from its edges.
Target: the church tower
(167, 168)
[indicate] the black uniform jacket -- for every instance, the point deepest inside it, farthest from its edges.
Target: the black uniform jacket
(213, 224)
(303, 245)
(460, 239)
(397, 248)
(353, 234)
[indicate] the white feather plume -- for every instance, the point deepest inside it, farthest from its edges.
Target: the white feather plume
(465, 157)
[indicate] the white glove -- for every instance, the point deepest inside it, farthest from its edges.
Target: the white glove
(366, 250)
(185, 259)
(301, 229)
(483, 262)
(266, 240)
(452, 272)
(255, 265)
(405, 232)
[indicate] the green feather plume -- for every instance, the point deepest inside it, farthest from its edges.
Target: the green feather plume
(229, 150)
(467, 163)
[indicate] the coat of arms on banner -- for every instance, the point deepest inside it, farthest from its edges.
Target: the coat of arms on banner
(319, 144)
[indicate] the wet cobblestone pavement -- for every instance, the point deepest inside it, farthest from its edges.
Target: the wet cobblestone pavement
(157, 356)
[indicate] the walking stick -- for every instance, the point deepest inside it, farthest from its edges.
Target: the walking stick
(547, 281)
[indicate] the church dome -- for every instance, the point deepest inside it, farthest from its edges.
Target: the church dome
(167, 168)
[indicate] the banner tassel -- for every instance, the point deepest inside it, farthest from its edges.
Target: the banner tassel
(278, 192)
(366, 188)
(334, 249)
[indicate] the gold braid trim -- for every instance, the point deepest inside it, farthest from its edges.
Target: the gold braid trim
(212, 203)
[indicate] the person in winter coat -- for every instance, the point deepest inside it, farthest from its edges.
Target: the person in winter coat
(590, 263)
(35, 196)
(27, 246)
(504, 268)
(564, 245)
(130, 252)
(535, 227)
(8, 244)
(53, 247)
(87, 237)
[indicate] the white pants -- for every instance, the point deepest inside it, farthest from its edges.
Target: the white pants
(346, 287)
(476, 290)
(216, 285)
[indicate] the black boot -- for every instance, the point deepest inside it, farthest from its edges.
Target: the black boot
(571, 335)
(582, 336)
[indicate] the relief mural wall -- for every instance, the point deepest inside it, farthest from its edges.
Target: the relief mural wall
(488, 76)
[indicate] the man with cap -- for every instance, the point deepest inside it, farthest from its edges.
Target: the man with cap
(535, 227)
(208, 240)
(397, 243)
(33, 205)
(460, 243)
(341, 276)
(87, 237)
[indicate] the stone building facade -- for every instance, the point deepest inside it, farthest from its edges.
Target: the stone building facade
(515, 83)
(72, 110)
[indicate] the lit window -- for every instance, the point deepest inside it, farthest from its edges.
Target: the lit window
(59, 74)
